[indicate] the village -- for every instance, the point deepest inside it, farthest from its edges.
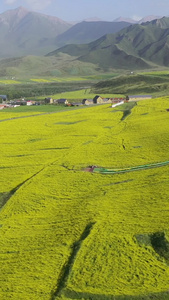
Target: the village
(5, 103)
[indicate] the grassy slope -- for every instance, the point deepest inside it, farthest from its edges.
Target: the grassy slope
(28, 66)
(44, 157)
(143, 83)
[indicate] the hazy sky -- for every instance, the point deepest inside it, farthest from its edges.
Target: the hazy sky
(74, 10)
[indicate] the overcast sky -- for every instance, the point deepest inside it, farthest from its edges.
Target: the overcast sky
(108, 10)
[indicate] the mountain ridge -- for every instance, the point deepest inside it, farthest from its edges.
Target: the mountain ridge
(24, 32)
(136, 46)
(85, 32)
(105, 44)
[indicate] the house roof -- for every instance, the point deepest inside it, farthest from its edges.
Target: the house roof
(89, 100)
(61, 100)
(96, 97)
(76, 103)
(3, 96)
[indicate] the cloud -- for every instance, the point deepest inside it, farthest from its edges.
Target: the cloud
(32, 4)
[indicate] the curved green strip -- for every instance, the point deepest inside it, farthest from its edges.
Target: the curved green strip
(130, 169)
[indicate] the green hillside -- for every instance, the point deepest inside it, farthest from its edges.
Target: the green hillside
(28, 66)
(135, 47)
(153, 83)
(34, 76)
(68, 234)
(37, 76)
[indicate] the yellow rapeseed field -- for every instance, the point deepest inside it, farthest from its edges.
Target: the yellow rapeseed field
(9, 81)
(70, 234)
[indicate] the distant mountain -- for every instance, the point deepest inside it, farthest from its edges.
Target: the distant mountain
(107, 44)
(149, 19)
(94, 19)
(128, 20)
(86, 32)
(137, 46)
(25, 32)
(143, 20)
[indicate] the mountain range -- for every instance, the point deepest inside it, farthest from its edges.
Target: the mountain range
(99, 44)
(88, 31)
(142, 20)
(24, 32)
(137, 46)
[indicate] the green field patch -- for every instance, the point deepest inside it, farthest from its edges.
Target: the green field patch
(12, 112)
(156, 73)
(82, 94)
(59, 79)
(137, 84)
(129, 169)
